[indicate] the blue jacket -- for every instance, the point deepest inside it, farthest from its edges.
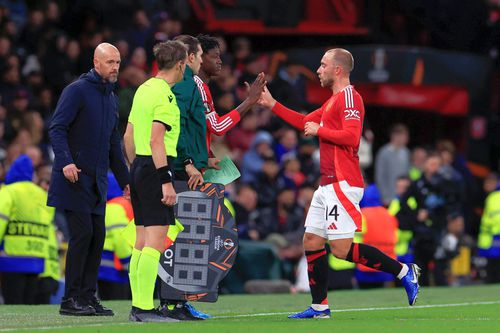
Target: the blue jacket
(84, 131)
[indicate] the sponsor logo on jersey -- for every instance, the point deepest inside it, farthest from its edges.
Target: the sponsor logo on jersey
(352, 114)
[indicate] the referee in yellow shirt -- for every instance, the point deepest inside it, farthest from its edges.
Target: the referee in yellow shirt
(150, 144)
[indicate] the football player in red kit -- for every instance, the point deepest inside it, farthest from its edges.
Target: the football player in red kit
(211, 67)
(334, 215)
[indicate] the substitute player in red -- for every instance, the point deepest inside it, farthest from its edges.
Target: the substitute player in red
(210, 68)
(334, 214)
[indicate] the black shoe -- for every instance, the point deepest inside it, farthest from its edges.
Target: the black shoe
(73, 306)
(179, 312)
(100, 310)
(132, 315)
(150, 316)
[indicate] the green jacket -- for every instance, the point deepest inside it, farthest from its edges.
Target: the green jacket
(192, 139)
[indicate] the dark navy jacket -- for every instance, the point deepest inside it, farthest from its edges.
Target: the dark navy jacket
(84, 131)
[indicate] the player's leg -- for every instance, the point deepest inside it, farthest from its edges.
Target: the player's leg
(317, 262)
(374, 258)
(344, 216)
(317, 269)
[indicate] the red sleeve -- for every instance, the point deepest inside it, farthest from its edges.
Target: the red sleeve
(219, 125)
(292, 117)
(314, 116)
(352, 121)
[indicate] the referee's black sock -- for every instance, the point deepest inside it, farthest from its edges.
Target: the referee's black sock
(317, 270)
(372, 257)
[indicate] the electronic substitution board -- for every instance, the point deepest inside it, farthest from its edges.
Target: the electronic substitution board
(204, 252)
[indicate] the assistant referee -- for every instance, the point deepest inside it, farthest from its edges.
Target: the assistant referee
(150, 143)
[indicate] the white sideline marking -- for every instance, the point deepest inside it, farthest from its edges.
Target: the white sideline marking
(44, 328)
(370, 309)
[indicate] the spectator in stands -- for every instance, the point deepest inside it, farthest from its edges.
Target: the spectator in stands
(246, 215)
(365, 151)
(241, 138)
(57, 67)
(287, 144)
(291, 176)
(291, 214)
(242, 48)
(253, 159)
(446, 150)
(31, 35)
(138, 34)
(392, 161)
(307, 148)
(16, 113)
(268, 184)
(139, 60)
(448, 248)
(418, 157)
(289, 84)
(434, 198)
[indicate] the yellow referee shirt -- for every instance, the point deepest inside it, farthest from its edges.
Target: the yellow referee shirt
(154, 101)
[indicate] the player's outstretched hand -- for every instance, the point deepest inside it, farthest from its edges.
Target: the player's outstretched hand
(195, 177)
(311, 128)
(256, 89)
(169, 195)
(266, 99)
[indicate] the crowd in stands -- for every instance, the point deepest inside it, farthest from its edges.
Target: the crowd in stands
(42, 50)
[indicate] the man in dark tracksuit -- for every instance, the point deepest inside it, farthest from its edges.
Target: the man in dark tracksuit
(86, 143)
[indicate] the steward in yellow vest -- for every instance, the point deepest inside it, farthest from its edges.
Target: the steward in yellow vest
(489, 236)
(25, 229)
(113, 270)
(48, 283)
(404, 248)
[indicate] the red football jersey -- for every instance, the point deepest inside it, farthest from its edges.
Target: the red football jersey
(216, 124)
(341, 119)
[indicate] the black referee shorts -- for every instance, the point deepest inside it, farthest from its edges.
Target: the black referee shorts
(146, 194)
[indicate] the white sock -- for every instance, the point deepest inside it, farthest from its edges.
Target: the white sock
(403, 272)
(319, 307)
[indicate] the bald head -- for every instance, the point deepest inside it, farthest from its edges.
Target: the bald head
(342, 58)
(104, 48)
(107, 62)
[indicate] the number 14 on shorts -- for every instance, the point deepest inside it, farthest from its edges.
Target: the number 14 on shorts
(332, 212)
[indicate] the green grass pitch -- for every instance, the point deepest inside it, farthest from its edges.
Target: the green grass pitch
(464, 309)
